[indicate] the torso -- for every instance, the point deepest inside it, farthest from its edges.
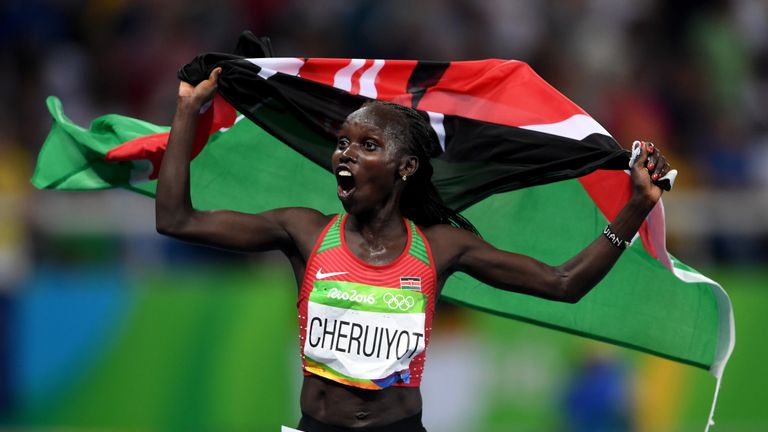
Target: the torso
(328, 396)
(338, 404)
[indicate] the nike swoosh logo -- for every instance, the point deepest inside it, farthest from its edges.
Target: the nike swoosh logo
(321, 275)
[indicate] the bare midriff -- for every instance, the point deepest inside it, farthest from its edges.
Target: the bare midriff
(337, 404)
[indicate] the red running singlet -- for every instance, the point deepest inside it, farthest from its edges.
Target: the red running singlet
(366, 325)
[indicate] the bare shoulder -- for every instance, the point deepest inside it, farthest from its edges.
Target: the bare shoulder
(302, 220)
(305, 217)
(303, 225)
(447, 244)
(448, 234)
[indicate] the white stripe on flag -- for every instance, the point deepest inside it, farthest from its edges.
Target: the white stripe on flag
(692, 277)
(578, 126)
(726, 339)
(657, 230)
(343, 78)
(273, 65)
(368, 79)
(237, 120)
(436, 121)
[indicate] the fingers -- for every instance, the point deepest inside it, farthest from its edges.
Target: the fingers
(652, 159)
(205, 89)
(643, 157)
(214, 76)
(657, 164)
(660, 168)
(652, 164)
(201, 93)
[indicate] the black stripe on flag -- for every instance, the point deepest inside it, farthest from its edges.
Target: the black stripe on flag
(424, 76)
(480, 159)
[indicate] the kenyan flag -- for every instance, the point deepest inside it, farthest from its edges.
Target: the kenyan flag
(534, 172)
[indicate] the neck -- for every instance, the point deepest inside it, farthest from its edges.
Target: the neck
(377, 224)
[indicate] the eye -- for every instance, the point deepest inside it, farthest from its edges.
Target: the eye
(342, 143)
(369, 145)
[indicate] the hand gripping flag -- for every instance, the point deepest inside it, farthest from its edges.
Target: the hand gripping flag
(534, 172)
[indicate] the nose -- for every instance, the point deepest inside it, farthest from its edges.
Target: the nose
(348, 154)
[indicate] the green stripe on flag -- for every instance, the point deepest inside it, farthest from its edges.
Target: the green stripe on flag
(639, 304)
(72, 157)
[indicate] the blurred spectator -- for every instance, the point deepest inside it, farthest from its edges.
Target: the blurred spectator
(598, 397)
(14, 256)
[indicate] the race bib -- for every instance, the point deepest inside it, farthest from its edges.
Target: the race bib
(363, 335)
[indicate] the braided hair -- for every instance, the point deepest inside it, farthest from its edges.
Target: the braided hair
(420, 201)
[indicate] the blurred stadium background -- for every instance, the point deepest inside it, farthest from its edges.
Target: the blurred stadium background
(105, 325)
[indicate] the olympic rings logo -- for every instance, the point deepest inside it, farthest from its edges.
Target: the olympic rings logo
(399, 301)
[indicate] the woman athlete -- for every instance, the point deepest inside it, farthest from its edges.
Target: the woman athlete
(363, 342)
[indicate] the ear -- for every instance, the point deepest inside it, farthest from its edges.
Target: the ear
(408, 166)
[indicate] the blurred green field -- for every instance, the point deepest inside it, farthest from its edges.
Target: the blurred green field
(215, 349)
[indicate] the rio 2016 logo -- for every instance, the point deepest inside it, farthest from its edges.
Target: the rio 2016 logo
(351, 295)
(399, 301)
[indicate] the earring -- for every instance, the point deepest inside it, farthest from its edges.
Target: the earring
(405, 178)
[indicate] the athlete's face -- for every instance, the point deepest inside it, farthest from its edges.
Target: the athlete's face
(368, 158)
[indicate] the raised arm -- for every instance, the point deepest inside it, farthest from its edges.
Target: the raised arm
(568, 282)
(174, 215)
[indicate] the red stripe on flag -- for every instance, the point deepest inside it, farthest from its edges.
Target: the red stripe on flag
(503, 92)
(322, 70)
(611, 190)
(148, 147)
(152, 147)
(392, 81)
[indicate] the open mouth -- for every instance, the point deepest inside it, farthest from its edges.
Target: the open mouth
(346, 182)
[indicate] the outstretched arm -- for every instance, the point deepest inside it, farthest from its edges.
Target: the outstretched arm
(174, 214)
(572, 280)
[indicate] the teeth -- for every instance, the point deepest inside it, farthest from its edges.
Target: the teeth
(345, 173)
